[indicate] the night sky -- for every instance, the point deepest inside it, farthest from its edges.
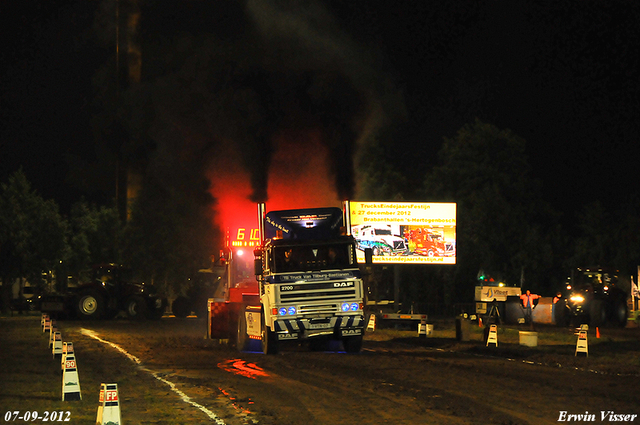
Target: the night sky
(562, 75)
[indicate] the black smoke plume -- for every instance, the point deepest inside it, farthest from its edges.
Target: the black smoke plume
(243, 72)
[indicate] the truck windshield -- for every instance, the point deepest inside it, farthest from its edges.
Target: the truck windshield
(594, 278)
(304, 258)
(383, 232)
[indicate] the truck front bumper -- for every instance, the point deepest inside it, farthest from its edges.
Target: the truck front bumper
(335, 326)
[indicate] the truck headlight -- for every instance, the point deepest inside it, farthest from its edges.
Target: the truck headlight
(283, 311)
(577, 299)
(350, 307)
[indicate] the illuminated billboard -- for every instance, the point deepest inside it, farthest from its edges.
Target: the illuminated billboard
(405, 232)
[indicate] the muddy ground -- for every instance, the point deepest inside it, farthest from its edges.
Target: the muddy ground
(168, 373)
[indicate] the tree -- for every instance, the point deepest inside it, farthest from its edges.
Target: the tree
(608, 236)
(378, 177)
(170, 234)
(503, 224)
(96, 234)
(32, 234)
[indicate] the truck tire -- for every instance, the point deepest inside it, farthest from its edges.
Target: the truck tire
(269, 339)
(181, 307)
(562, 315)
(597, 313)
(352, 344)
(157, 310)
(242, 340)
(620, 313)
(136, 308)
(200, 308)
(90, 305)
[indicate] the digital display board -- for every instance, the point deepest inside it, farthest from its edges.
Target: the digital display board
(243, 237)
(405, 232)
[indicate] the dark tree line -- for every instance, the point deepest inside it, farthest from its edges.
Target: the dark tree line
(32, 235)
(166, 240)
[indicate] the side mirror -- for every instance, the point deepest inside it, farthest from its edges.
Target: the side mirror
(368, 256)
(257, 262)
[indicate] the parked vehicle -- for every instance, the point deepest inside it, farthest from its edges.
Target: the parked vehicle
(206, 284)
(109, 291)
(593, 296)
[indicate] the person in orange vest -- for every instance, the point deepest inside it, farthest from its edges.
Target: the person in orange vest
(527, 304)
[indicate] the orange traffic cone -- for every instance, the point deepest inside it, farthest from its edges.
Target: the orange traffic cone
(597, 332)
(479, 322)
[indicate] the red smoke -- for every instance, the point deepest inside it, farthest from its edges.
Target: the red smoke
(299, 177)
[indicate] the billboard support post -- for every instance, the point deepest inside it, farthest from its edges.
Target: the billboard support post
(396, 288)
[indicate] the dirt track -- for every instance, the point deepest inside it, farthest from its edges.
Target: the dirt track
(405, 380)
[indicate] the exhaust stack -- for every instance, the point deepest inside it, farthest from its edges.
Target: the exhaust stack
(346, 216)
(261, 216)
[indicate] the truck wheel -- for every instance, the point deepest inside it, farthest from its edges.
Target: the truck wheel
(242, 341)
(181, 307)
(157, 311)
(200, 309)
(352, 344)
(90, 305)
(620, 313)
(269, 339)
(597, 313)
(564, 316)
(136, 308)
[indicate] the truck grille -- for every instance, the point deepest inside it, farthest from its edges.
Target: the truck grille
(310, 309)
(317, 292)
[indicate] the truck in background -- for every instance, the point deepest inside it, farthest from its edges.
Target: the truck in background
(204, 285)
(593, 296)
(108, 291)
(306, 284)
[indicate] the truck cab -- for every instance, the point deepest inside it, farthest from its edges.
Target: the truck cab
(307, 285)
(312, 289)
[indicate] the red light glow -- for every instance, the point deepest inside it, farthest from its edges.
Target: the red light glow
(241, 367)
(299, 177)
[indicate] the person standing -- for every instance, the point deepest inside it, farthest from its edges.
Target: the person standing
(527, 303)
